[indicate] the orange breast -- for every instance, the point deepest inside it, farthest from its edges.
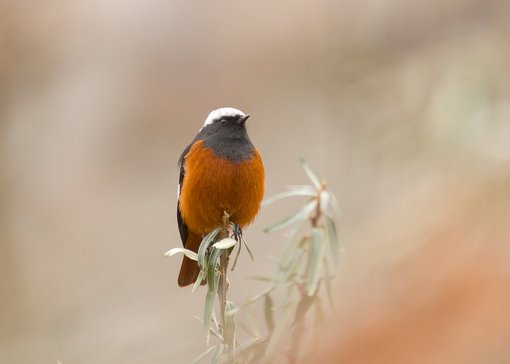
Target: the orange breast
(213, 185)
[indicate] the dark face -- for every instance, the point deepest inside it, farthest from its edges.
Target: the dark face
(230, 121)
(227, 137)
(225, 127)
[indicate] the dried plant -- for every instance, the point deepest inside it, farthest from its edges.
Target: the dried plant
(302, 268)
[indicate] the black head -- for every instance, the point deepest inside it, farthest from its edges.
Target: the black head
(224, 131)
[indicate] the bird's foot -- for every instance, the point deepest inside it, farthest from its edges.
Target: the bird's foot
(237, 233)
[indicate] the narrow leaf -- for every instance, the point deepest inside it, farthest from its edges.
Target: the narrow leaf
(284, 324)
(268, 312)
(289, 271)
(334, 205)
(302, 308)
(311, 175)
(253, 329)
(211, 269)
(212, 286)
(252, 351)
(332, 238)
(230, 327)
(216, 333)
(201, 276)
(226, 243)
(204, 354)
(308, 188)
(202, 250)
(316, 261)
(287, 194)
(258, 296)
(217, 356)
(260, 278)
(189, 253)
(247, 329)
(325, 200)
(315, 334)
(328, 284)
(301, 215)
(208, 310)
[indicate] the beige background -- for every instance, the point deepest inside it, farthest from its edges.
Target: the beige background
(402, 105)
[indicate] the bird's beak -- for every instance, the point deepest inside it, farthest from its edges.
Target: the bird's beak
(242, 120)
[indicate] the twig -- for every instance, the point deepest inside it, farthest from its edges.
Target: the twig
(223, 284)
(314, 220)
(223, 289)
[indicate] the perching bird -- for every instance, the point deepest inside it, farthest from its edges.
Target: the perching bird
(221, 171)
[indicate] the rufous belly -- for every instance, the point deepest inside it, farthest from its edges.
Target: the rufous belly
(213, 184)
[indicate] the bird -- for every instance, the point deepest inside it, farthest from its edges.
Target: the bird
(220, 171)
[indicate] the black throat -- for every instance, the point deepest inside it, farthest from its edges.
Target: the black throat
(228, 141)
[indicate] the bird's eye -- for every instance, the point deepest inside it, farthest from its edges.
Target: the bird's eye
(223, 121)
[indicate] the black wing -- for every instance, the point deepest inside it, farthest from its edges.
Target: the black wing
(183, 228)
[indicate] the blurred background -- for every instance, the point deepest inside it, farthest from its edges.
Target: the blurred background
(403, 106)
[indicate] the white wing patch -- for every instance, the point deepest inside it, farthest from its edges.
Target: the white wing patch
(219, 113)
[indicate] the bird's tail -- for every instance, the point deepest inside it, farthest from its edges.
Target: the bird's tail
(189, 268)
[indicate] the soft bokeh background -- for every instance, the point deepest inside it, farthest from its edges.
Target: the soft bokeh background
(404, 106)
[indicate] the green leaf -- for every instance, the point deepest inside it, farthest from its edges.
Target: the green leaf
(303, 306)
(202, 250)
(215, 322)
(268, 312)
(289, 271)
(219, 353)
(315, 333)
(247, 329)
(334, 205)
(291, 244)
(209, 303)
(208, 310)
(201, 276)
(253, 350)
(258, 296)
(308, 188)
(211, 268)
(189, 253)
(332, 238)
(316, 261)
(250, 325)
(325, 200)
(226, 243)
(230, 327)
(204, 354)
(301, 215)
(311, 175)
(281, 331)
(287, 194)
(213, 278)
(216, 333)
(328, 284)
(260, 278)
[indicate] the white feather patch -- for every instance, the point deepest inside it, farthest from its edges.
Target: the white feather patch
(222, 112)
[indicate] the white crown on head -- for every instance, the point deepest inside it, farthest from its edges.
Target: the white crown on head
(220, 113)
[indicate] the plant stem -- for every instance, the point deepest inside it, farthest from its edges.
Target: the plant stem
(223, 284)
(223, 289)
(314, 220)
